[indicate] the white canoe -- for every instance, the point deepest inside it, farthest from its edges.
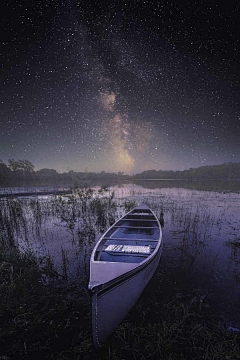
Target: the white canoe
(122, 263)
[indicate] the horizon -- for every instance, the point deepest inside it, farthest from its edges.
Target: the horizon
(138, 172)
(123, 173)
(131, 174)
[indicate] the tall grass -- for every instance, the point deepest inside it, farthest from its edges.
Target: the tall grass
(31, 223)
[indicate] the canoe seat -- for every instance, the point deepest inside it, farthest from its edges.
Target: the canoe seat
(131, 239)
(130, 249)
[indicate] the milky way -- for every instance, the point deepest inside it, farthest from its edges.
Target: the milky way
(120, 86)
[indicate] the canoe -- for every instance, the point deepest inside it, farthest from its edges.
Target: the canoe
(122, 263)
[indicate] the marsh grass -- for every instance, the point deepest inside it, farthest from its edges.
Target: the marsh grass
(234, 243)
(39, 312)
(44, 314)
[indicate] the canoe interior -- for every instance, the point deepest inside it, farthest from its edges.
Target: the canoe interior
(136, 236)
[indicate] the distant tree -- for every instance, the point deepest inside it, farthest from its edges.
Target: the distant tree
(21, 165)
(47, 172)
(13, 164)
(47, 175)
(5, 173)
(26, 165)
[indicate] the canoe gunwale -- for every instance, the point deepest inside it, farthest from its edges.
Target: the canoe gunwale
(126, 276)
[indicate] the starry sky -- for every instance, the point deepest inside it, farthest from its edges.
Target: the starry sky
(120, 85)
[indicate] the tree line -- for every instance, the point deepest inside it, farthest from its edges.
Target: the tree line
(21, 172)
(222, 172)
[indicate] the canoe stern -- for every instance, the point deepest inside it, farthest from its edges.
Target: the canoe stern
(111, 304)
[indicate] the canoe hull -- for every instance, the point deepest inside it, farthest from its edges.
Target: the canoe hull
(111, 304)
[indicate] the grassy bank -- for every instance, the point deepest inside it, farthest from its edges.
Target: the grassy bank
(45, 315)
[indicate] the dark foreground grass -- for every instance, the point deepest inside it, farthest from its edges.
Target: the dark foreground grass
(41, 316)
(44, 317)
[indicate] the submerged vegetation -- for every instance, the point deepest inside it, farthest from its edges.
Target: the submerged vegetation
(45, 306)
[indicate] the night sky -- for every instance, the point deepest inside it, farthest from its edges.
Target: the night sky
(120, 85)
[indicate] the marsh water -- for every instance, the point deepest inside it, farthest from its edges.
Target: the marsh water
(201, 233)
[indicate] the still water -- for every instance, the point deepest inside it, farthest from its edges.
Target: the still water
(201, 234)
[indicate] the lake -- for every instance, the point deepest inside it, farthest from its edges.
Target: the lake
(201, 233)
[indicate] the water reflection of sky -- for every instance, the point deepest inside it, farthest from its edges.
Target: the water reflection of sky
(198, 231)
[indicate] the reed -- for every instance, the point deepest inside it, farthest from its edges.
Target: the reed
(64, 262)
(234, 244)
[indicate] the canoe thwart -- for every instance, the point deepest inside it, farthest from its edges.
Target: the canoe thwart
(135, 227)
(131, 239)
(139, 220)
